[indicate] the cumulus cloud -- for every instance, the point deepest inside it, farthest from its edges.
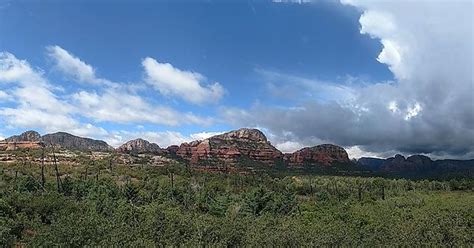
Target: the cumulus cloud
(189, 86)
(13, 70)
(73, 67)
(125, 107)
(428, 109)
(37, 105)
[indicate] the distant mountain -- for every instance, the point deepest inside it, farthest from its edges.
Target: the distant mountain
(419, 166)
(64, 140)
(69, 141)
(325, 155)
(370, 163)
(137, 146)
(26, 136)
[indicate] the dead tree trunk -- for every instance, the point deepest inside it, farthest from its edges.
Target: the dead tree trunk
(43, 179)
(58, 179)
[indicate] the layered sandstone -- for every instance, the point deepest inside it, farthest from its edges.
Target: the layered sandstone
(325, 155)
(244, 146)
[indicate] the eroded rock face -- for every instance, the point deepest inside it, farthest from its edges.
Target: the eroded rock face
(413, 163)
(325, 155)
(139, 146)
(171, 150)
(26, 136)
(72, 142)
(244, 146)
(26, 140)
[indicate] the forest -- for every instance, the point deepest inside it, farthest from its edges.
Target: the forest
(91, 203)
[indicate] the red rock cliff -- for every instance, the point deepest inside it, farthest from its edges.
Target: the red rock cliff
(325, 155)
(241, 146)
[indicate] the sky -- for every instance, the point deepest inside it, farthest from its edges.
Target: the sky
(376, 77)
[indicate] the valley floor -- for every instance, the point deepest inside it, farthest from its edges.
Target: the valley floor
(100, 205)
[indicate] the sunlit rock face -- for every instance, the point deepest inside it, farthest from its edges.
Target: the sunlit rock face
(244, 146)
(139, 146)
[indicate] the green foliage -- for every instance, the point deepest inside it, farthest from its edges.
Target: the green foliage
(173, 206)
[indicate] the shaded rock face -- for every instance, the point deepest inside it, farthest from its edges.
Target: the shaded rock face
(413, 163)
(171, 149)
(371, 163)
(243, 146)
(325, 155)
(139, 146)
(26, 136)
(69, 141)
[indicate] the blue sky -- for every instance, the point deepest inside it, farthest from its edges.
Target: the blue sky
(173, 71)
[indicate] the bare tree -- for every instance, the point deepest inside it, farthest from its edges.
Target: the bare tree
(58, 179)
(43, 179)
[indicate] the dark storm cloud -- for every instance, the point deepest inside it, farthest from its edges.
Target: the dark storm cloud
(428, 109)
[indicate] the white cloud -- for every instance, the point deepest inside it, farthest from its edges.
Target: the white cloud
(203, 135)
(124, 107)
(31, 118)
(13, 70)
(74, 67)
(39, 107)
(289, 146)
(356, 152)
(413, 111)
(171, 81)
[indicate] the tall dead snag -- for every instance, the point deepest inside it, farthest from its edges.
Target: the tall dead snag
(58, 179)
(43, 179)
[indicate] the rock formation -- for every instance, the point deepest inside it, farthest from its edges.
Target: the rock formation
(171, 150)
(244, 147)
(72, 142)
(26, 140)
(325, 155)
(26, 136)
(413, 163)
(138, 146)
(419, 166)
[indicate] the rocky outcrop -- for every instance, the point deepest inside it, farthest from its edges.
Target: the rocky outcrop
(413, 163)
(24, 137)
(72, 142)
(419, 166)
(26, 140)
(171, 150)
(325, 155)
(244, 147)
(370, 163)
(138, 146)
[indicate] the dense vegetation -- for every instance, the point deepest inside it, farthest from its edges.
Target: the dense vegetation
(96, 204)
